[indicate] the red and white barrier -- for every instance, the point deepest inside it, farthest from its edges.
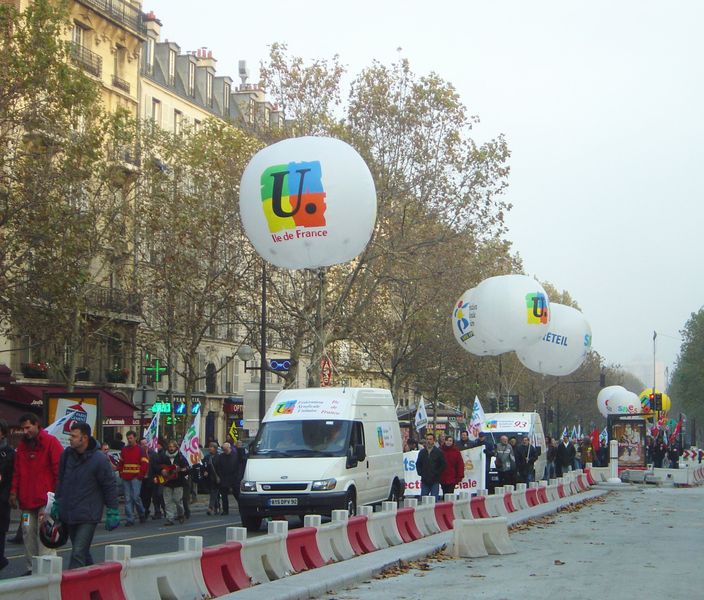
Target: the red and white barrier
(406, 523)
(102, 581)
(461, 505)
(425, 516)
(381, 525)
(264, 558)
(44, 584)
(359, 535)
(222, 568)
(333, 542)
(519, 497)
(174, 575)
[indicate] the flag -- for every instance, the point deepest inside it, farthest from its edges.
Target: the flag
(564, 432)
(604, 435)
(151, 433)
(676, 432)
(233, 431)
(595, 438)
(475, 424)
(190, 446)
(421, 415)
(57, 427)
(573, 435)
(579, 431)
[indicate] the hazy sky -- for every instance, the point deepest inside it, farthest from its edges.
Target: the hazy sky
(601, 103)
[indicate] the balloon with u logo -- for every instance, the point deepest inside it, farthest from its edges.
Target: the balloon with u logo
(308, 202)
(501, 314)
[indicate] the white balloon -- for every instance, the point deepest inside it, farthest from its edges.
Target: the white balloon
(623, 402)
(563, 348)
(511, 311)
(463, 326)
(308, 202)
(604, 398)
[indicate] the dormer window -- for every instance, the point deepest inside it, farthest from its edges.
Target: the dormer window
(172, 67)
(191, 79)
(150, 56)
(208, 89)
(226, 98)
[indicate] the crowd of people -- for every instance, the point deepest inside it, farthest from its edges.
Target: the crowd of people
(87, 477)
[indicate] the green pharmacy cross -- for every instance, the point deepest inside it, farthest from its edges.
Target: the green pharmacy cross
(156, 369)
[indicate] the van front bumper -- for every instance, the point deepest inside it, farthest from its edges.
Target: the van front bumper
(266, 505)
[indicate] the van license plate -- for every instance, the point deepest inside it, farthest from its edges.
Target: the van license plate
(283, 502)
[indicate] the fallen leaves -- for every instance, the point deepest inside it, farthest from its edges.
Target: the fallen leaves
(558, 562)
(404, 566)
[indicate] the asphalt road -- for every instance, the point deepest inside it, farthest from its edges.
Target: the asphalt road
(147, 538)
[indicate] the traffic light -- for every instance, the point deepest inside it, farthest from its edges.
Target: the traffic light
(602, 379)
(657, 405)
(651, 401)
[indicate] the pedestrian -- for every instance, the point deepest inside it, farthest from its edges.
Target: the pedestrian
(526, 455)
(86, 484)
(117, 443)
(550, 456)
(564, 456)
(146, 491)
(212, 479)
(464, 443)
(34, 476)
(659, 450)
(505, 462)
(430, 464)
(133, 468)
(576, 462)
(7, 464)
(157, 488)
(173, 467)
(602, 454)
(453, 472)
(586, 452)
(674, 452)
(229, 468)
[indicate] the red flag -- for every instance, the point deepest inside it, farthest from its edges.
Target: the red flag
(595, 439)
(676, 432)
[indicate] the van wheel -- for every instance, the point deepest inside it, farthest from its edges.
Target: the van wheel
(251, 522)
(351, 503)
(395, 495)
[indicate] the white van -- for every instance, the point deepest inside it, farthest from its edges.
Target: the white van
(322, 449)
(518, 425)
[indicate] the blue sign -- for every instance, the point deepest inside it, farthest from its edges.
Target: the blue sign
(279, 364)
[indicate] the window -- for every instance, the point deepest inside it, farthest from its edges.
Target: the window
(172, 67)
(208, 89)
(226, 98)
(266, 116)
(252, 109)
(150, 56)
(191, 79)
(78, 35)
(156, 111)
(196, 125)
(178, 122)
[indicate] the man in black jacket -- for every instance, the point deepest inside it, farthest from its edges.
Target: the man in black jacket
(526, 455)
(7, 463)
(86, 484)
(430, 464)
(173, 467)
(564, 458)
(229, 467)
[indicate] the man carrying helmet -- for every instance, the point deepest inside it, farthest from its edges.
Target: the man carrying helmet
(86, 484)
(35, 473)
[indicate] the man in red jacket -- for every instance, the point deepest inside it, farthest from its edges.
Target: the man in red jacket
(133, 467)
(453, 472)
(36, 473)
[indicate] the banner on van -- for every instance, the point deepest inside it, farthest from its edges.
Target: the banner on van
(310, 408)
(473, 471)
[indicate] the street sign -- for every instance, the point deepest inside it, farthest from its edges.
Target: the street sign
(325, 372)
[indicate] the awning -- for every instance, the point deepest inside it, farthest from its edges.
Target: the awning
(32, 396)
(12, 412)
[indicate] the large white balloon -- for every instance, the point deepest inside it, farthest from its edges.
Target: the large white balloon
(623, 402)
(308, 202)
(510, 311)
(563, 348)
(604, 398)
(463, 326)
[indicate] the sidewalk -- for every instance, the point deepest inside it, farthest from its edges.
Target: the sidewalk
(645, 543)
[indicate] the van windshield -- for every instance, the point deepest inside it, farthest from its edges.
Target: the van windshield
(294, 439)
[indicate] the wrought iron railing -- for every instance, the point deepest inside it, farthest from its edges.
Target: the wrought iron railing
(120, 11)
(121, 83)
(114, 300)
(88, 60)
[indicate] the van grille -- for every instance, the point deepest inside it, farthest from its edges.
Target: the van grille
(284, 487)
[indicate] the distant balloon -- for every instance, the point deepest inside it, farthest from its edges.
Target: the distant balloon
(623, 402)
(563, 348)
(308, 202)
(604, 397)
(507, 312)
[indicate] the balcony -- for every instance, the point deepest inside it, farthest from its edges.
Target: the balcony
(120, 12)
(113, 300)
(121, 83)
(87, 60)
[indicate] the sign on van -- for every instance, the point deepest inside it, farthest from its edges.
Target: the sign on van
(310, 408)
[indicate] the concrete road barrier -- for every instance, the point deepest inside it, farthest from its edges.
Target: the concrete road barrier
(359, 535)
(302, 548)
(480, 537)
(264, 558)
(425, 516)
(222, 568)
(381, 525)
(44, 584)
(174, 575)
(333, 542)
(101, 581)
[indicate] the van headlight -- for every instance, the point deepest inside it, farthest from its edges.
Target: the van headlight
(323, 485)
(248, 486)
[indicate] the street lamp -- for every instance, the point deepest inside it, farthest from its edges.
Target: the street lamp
(246, 354)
